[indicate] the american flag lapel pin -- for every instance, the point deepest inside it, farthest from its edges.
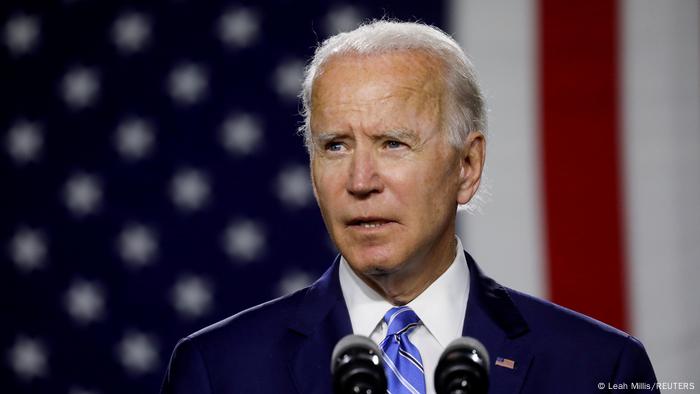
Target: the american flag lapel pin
(505, 363)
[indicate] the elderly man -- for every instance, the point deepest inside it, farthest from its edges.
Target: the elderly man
(394, 123)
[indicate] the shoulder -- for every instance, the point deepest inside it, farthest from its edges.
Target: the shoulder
(255, 325)
(260, 330)
(549, 318)
(555, 331)
(229, 355)
(569, 344)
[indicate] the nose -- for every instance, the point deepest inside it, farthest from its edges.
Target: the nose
(364, 178)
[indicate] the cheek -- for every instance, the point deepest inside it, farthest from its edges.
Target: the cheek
(434, 190)
(327, 182)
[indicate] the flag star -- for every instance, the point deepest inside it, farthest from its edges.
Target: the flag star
(138, 353)
(137, 245)
(134, 138)
(188, 84)
(241, 134)
(131, 32)
(28, 249)
(80, 87)
(22, 33)
(342, 19)
(82, 194)
(244, 240)
(287, 78)
(239, 28)
(293, 186)
(190, 189)
(192, 296)
(28, 358)
(293, 281)
(24, 141)
(85, 301)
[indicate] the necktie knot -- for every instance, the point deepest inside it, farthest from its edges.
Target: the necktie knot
(400, 320)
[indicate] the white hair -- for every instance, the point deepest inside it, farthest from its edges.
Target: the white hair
(465, 104)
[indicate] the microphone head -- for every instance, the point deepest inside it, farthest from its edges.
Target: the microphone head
(463, 368)
(357, 367)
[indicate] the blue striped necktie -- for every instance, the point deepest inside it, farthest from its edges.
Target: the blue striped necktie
(402, 360)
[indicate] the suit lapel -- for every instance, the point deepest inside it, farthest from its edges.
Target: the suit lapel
(322, 320)
(493, 319)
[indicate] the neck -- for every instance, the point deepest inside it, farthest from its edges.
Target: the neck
(403, 286)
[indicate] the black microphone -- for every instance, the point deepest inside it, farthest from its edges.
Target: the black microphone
(357, 367)
(463, 368)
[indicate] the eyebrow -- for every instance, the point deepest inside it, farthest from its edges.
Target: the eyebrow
(400, 134)
(397, 134)
(324, 137)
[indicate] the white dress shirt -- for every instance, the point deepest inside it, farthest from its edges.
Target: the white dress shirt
(441, 307)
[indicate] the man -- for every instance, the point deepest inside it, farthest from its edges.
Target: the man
(394, 125)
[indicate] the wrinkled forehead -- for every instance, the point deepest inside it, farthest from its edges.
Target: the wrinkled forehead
(415, 68)
(377, 94)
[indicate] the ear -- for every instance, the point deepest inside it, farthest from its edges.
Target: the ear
(471, 165)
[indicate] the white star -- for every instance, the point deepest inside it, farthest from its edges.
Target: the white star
(131, 32)
(82, 194)
(244, 240)
(22, 33)
(287, 78)
(188, 84)
(28, 358)
(28, 249)
(85, 301)
(192, 296)
(292, 282)
(342, 19)
(138, 353)
(239, 28)
(293, 186)
(190, 189)
(241, 134)
(80, 87)
(134, 138)
(137, 245)
(24, 141)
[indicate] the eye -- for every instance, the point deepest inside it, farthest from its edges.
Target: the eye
(392, 144)
(334, 146)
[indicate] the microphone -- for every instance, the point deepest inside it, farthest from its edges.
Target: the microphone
(357, 367)
(463, 368)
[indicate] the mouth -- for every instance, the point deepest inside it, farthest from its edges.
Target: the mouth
(369, 223)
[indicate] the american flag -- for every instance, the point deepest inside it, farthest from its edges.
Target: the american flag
(505, 363)
(153, 181)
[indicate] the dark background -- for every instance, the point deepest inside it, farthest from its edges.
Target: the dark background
(85, 355)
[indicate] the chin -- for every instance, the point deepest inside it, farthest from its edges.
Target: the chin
(375, 264)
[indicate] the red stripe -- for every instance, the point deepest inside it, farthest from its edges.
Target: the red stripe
(579, 131)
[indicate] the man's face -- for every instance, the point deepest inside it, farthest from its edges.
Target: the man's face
(385, 177)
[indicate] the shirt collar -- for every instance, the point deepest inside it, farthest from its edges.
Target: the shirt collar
(441, 306)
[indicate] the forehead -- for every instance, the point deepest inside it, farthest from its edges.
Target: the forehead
(409, 66)
(403, 79)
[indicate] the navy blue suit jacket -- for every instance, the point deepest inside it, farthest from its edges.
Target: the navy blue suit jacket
(285, 345)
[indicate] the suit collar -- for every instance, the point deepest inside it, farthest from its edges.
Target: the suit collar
(491, 317)
(490, 302)
(322, 320)
(321, 298)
